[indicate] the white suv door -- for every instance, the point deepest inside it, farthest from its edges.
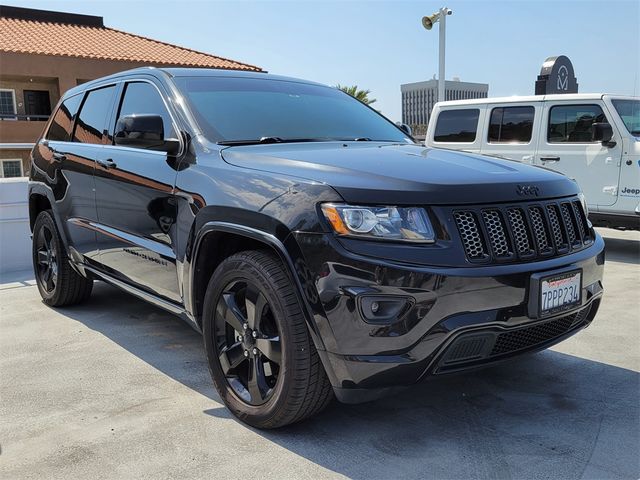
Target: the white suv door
(512, 130)
(566, 145)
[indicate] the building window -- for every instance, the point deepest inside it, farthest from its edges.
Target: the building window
(37, 104)
(457, 125)
(573, 123)
(11, 168)
(511, 125)
(8, 104)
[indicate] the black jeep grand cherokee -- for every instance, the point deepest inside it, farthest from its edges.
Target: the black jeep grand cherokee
(318, 249)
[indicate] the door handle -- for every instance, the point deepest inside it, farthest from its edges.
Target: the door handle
(550, 159)
(108, 163)
(59, 157)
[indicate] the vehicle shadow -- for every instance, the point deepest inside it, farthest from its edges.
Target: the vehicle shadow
(622, 250)
(544, 415)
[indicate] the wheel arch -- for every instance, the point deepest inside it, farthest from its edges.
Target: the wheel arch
(218, 240)
(38, 202)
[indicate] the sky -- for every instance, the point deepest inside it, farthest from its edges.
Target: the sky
(379, 45)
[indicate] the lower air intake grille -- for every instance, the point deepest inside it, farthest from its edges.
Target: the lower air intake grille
(481, 346)
(528, 337)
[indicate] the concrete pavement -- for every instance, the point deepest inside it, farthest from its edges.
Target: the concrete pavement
(117, 388)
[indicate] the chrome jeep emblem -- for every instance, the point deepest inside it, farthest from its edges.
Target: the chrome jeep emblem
(527, 190)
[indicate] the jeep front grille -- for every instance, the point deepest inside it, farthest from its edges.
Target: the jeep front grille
(522, 232)
(474, 246)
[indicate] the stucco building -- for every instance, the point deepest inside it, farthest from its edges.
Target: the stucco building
(44, 53)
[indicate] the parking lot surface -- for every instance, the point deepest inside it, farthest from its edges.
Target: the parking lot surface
(117, 388)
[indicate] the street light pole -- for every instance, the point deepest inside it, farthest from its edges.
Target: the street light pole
(441, 77)
(427, 22)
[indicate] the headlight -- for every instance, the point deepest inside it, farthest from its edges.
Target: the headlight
(386, 223)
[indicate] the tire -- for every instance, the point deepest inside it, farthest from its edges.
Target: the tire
(59, 284)
(279, 393)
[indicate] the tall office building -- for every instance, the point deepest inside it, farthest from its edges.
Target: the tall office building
(419, 98)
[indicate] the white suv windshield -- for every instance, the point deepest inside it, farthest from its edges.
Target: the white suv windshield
(629, 111)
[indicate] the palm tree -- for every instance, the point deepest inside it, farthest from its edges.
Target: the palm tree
(362, 95)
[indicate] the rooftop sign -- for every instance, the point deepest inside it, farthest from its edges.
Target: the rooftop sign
(556, 76)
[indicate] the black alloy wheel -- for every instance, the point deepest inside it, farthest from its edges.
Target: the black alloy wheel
(261, 357)
(46, 259)
(58, 282)
(248, 341)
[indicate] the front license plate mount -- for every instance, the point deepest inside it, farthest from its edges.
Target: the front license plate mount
(554, 292)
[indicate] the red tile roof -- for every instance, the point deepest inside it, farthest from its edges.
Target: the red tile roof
(20, 35)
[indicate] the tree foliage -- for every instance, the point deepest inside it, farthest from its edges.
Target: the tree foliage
(354, 91)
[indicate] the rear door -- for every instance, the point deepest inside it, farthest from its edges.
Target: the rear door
(511, 131)
(135, 201)
(67, 157)
(566, 145)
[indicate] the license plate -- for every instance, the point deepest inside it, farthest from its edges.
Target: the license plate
(560, 292)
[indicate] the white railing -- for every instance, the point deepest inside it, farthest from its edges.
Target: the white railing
(15, 242)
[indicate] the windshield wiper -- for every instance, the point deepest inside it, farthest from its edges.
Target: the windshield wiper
(267, 140)
(255, 141)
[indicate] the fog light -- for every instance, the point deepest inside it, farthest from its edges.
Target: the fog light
(383, 309)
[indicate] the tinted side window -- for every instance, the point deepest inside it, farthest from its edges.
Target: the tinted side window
(511, 124)
(573, 123)
(457, 126)
(143, 98)
(62, 123)
(92, 119)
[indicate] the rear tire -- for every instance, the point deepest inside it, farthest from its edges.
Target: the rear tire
(59, 284)
(253, 322)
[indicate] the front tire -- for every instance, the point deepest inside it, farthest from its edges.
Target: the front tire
(59, 284)
(261, 358)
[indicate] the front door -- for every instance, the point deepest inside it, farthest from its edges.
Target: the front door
(566, 146)
(37, 104)
(135, 203)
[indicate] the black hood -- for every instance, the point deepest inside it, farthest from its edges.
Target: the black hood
(379, 173)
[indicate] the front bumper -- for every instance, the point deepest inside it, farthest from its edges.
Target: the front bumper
(452, 319)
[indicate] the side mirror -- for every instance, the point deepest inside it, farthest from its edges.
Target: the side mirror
(144, 131)
(405, 128)
(603, 132)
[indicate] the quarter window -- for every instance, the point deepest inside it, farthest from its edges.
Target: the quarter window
(143, 98)
(573, 123)
(511, 124)
(92, 119)
(457, 126)
(62, 124)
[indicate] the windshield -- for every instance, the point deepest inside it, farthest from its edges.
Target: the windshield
(629, 111)
(249, 109)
